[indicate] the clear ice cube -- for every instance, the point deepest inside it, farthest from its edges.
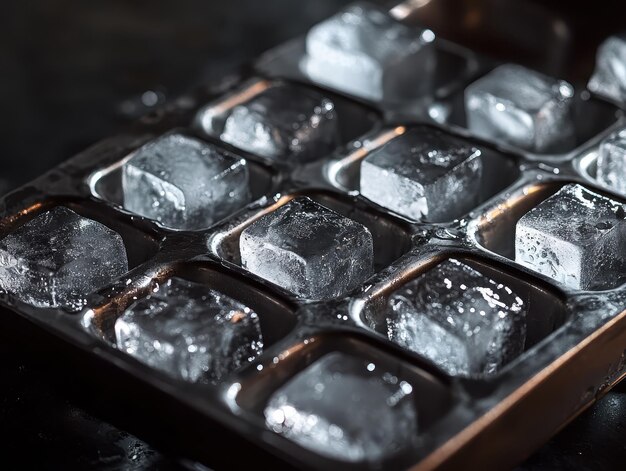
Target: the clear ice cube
(58, 258)
(308, 249)
(611, 163)
(184, 183)
(424, 174)
(190, 331)
(521, 107)
(285, 123)
(609, 77)
(345, 408)
(461, 320)
(365, 52)
(574, 237)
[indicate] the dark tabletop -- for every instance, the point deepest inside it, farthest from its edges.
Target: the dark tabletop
(72, 72)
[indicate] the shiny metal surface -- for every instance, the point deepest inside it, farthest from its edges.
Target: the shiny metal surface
(576, 353)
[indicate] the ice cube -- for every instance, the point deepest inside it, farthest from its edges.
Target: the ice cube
(184, 183)
(365, 52)
(345, 408)
(611, 163)
(285, 123)
(609, 77)
(190, 331)
(458, 318)
(424, 174)
(308, 249)
(522, 107)
(58, 258)
(574, 237)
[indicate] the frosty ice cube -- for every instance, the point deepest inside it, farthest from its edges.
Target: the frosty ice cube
(611, 163)
(308, 249)
(574, 237)
(285, 123)
(365, 52)
(184, 183)
(424, 174)
(609, 77)
(58, 258)
(345, 408)
(521, 107)
(190, 332)
(458, 318)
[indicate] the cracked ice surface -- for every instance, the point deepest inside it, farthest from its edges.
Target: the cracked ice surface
(458, 318)
(58, 258)
(308, 249)
(424, 173)
(184, 183)
(190, 331)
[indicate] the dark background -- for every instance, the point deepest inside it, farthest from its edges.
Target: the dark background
(75, 71)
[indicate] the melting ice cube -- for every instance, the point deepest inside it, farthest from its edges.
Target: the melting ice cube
(286, 123)
(58, 258)
(424, 174)
(365, 52)
(190, 331)
(184, 183)
(609, 77)
(574, 237)
(522, 107)
(345, 408)
(458, 318)
(308, 249)
(611, 164)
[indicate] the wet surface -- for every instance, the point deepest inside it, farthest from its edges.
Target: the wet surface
(45, 422)
(74, 72)
(594, 440)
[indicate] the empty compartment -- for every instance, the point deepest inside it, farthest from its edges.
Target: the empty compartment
(497, 170)
(496, 232)
(241, 321)
(342, 399)
(107, 184)
(343, 120)
(469, 317)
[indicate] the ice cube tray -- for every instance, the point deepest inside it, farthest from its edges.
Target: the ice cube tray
(574, 349)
